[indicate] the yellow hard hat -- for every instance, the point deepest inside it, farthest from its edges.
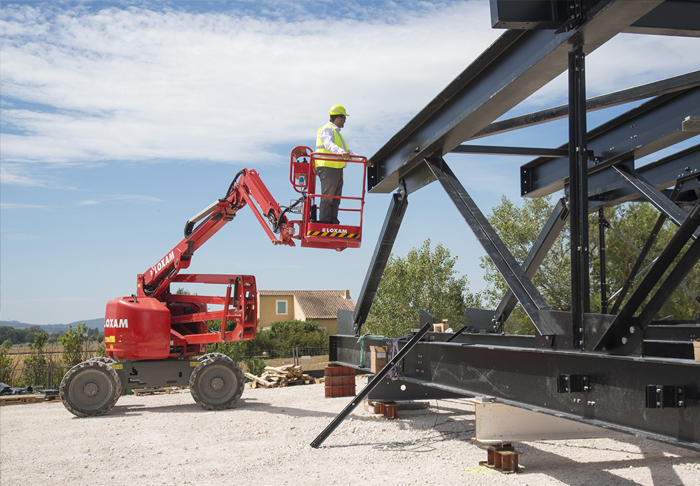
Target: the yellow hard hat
(337, 110)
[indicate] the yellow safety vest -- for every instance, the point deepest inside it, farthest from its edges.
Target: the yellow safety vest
(320, 148)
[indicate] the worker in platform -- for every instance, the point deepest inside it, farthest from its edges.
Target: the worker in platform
(330, 141)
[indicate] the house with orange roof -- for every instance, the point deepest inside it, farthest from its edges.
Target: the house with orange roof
(320, 306)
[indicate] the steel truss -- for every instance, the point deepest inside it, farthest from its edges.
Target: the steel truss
(621, 370)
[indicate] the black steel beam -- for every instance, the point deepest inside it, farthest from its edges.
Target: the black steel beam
(526, 293)
(646, 129)
(382, 252)
(673, 17)
(510, 70)
(658, 199)
(657, 88)
(525, 151)
(608, 187)
(669, 286)
(426, 325)
(530, 15)
(528, 377)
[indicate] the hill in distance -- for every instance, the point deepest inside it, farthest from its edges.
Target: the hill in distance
(91, 323)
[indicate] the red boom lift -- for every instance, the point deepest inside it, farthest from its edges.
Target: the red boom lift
(153, 337)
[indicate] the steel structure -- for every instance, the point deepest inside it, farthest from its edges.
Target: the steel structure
(621, 370)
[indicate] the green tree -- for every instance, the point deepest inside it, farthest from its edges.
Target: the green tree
(35, 365)
(255, 366)
(635, 221)
(5, 362)
(281, 337)
(292, 334)
(233, 350)
(518, 227)
(73, 342)
(425, 280)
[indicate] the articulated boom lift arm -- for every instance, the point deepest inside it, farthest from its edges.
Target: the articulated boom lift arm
(246, 189)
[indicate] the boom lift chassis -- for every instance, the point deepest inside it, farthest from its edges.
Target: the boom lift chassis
(620, 370)
(155, 338)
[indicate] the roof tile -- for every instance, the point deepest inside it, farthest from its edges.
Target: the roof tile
(317, 304)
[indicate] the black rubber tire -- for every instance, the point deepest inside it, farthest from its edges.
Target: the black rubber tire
(216, 383)
(90, 388)
(211, 355)
(109, 361)
(102, 359)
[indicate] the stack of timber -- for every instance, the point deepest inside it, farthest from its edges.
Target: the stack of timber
(280, 376)
(33, 398)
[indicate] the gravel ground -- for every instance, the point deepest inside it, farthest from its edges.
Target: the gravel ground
(264, 440)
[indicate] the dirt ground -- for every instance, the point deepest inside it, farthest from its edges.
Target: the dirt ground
(264, 440)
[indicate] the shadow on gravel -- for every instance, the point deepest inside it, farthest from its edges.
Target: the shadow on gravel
(249, 404)
(658, 458)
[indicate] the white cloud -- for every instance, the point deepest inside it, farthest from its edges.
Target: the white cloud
(121, 198)
(89, 87)
(21, 206)
(144, 85)
(16, 174)
(625, 61)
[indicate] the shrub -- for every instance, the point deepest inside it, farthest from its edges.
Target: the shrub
(35, 365)
(73, 345)
(255, 366)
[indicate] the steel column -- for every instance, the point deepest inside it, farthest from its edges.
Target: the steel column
(602, 224)
(578, 193)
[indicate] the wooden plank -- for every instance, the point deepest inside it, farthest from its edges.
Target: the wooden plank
(15, 399)
(260, 381)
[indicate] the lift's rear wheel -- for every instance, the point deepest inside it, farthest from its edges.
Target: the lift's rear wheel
(90, 388)
(216, 383)
(211, 355)
(103, 359)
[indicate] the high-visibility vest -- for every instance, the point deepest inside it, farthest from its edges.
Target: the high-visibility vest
(320, 148)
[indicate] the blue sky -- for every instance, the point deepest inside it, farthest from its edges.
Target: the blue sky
(120, 120)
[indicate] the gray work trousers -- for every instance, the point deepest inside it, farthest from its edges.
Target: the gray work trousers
(331, 185)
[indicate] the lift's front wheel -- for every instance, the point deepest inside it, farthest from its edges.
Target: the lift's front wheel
(216, 383)
(90, 388)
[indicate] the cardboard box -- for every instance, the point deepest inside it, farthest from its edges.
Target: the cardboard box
(696, 346)
(372, 407)
(438, 328)
(379, 358)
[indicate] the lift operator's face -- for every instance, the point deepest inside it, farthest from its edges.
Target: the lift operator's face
(340, 121)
